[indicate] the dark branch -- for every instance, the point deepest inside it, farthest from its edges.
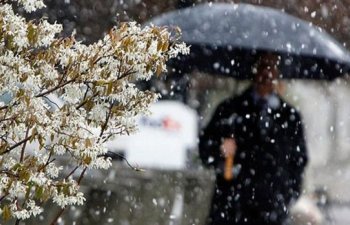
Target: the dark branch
(114, 155)
(104, 126)
(54, 89)
(16, 145)
(51, 101)
(24, 145)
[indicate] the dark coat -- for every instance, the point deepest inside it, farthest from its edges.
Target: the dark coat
(269, 162)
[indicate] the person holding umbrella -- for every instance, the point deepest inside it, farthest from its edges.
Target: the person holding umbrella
(257, 132)
(256, 143)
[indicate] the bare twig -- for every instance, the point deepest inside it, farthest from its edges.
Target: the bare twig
(85, 95)
(51, 102)
(48, 161)
(85, 101)
(115, 155)
(3, 197)
(9, 118)
(110, 134)
(24, 145)
(55, 88)
(8, 173)
(82, 175)
(86, 129)
(4, 107)
(127, 73)
(104, 126)
(16, 145)
(58, 215)
(71, 173)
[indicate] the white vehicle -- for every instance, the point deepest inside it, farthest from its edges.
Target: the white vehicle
(164, 138)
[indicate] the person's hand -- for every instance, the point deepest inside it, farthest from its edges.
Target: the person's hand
(228, 150)
(228, 147)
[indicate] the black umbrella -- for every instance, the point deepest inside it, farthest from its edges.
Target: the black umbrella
(227, 38)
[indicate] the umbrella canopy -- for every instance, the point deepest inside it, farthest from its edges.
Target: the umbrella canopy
(226, 39)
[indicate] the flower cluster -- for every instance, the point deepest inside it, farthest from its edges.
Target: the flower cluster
(62, 98)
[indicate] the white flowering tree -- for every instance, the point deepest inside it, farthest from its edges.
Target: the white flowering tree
(98, 101)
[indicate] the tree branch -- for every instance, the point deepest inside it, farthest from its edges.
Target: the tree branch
(82, 175)
(10, 118)
(115, 155)
(127, 73)
(24, 145)
(4, 107)
(3, 197)
(59, 214)
(51, 102)
(85, 95)
(70, 174)
(16, 145)
(104, 126)
(55, 88)
(17, 221)
(48, 161)
(85, 101)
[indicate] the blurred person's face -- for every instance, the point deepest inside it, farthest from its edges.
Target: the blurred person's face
(266, 78)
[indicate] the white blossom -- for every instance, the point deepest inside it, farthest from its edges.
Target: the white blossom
(31, 5)
(72, 94)
(17, 189)
(40, 179)
(47, 33)
(22, 214)
(64, 99)
(101, 163)
(179, 48)
(64, 200)
(74, 197)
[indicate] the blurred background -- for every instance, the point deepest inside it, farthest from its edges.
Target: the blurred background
(175, 189)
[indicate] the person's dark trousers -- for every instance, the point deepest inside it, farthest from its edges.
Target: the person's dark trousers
(234, 214)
